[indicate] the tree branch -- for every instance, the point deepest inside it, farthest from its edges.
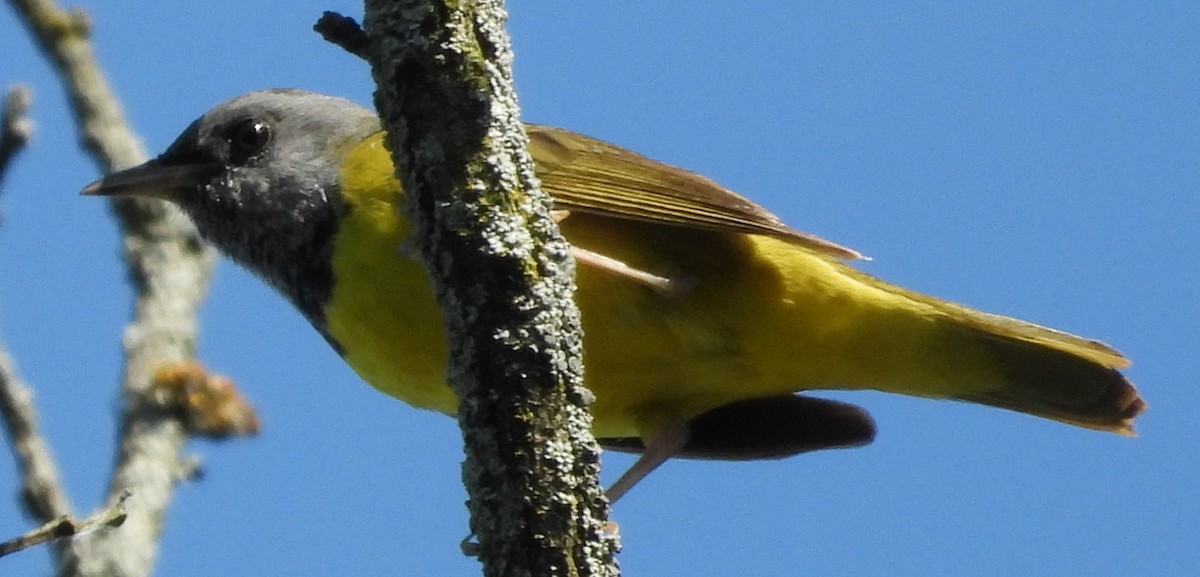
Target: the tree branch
(170, 269)
(504, 280)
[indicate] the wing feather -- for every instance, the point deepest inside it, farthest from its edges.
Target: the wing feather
(589, 175)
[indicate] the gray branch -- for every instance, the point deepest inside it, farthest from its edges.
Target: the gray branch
(170, 269)
(41, 494)
(504, 280)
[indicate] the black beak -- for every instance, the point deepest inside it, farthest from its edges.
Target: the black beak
(153, 180)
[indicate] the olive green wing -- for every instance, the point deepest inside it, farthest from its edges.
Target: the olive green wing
(588, 175)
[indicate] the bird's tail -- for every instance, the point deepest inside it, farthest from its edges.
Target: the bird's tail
(1043, 371)
(934, 348)
(1054, 375)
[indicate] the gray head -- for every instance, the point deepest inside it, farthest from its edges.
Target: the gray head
(258, 175)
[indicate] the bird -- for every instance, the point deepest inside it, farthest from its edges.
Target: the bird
(707, 321)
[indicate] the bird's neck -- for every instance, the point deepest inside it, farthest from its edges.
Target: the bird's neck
(290, 250)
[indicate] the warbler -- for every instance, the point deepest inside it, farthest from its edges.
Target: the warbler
(704, 315)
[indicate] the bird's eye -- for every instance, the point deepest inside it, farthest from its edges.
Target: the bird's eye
(248, 138)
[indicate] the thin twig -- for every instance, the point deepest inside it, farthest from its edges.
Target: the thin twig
(343, 31)
(15, 127)
(41, 490)
(66, 526)
(170, 269)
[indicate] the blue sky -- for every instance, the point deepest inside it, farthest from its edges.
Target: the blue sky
(1032, 160)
